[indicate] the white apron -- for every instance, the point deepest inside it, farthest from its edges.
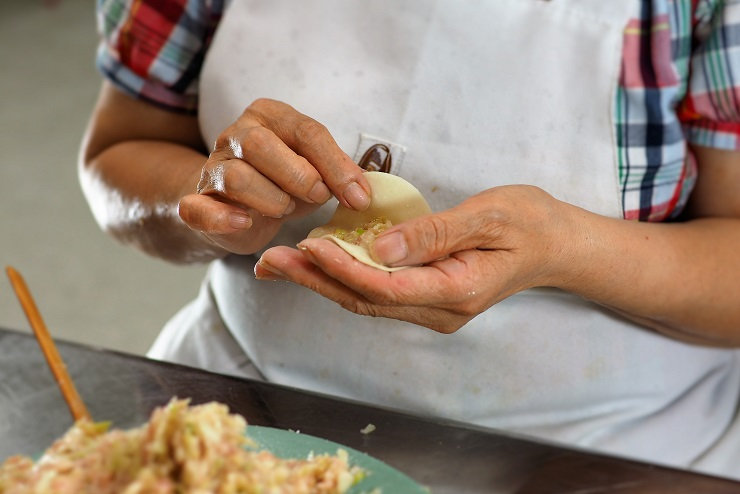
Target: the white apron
(468, 95)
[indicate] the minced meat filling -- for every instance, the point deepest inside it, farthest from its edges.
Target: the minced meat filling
(364, 235)
(181, 450)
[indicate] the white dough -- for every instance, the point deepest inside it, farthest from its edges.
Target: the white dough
(392, 197)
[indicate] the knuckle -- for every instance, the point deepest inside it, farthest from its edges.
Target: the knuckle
(356, 306)
(262, 111)
(231, 181)
(300, 177)
(225, 141)
(371, 310)
(257, 137)
(282, 201)
(433, 234)
(211, 177)
(309, 130)
(221, 142)
(260, 105)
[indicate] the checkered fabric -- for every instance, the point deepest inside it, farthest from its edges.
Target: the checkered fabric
(679, 85)
(154, 49)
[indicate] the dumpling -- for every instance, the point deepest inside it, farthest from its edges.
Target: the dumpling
(393, 201)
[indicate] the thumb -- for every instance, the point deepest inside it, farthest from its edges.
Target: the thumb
(427, 238)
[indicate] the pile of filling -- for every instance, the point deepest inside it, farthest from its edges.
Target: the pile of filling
(181, 450)
(365, 234)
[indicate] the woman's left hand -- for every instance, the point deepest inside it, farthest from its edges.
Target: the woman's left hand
(489, 247)
(681, 279)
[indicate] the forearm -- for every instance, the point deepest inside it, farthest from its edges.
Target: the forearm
(134, 188)
(681, 279)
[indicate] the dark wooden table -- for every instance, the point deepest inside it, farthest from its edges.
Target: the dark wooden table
(446, 457)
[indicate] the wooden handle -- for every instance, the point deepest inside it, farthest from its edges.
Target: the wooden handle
(56, 364)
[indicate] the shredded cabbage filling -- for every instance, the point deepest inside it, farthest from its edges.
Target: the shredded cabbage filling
(181, 450)
(365, 234)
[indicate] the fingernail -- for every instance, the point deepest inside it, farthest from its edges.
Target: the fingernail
(356, 196)
(239, 220)
(263, 271)
(306, 252)
(319, 193)
(290, 208)
(391, 248)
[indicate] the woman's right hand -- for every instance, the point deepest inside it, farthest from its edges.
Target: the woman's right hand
(142, 171)
(273, 163)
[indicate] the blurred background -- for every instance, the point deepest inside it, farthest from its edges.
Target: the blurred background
(88, 288)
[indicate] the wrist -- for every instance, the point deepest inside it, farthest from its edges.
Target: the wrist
(572, 248)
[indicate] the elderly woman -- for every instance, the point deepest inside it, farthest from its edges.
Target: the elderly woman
(579, 279)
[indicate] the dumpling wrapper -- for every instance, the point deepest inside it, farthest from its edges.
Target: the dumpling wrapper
(393, 198)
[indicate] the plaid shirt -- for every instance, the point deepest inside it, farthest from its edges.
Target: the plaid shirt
(679, 84)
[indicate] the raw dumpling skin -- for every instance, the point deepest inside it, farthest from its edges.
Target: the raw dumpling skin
(393, 201)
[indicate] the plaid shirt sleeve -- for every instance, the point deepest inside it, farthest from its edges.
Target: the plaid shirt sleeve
(711, 109)
(680, 84)
(154, 49)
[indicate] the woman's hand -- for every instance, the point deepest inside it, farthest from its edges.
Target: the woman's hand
(491, 246)
(142, 170)
(681, 279)
(272, 164)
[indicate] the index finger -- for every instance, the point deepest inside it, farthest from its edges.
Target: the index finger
(312, 140)
(435, 284)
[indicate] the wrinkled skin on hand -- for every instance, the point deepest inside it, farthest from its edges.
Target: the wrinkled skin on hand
(272, 164)
(489, 247)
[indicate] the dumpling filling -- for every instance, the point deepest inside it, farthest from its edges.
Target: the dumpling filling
(365, 234)
(393, 201)
(181, 450)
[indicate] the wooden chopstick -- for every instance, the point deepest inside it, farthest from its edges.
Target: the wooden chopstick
(56, 364)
